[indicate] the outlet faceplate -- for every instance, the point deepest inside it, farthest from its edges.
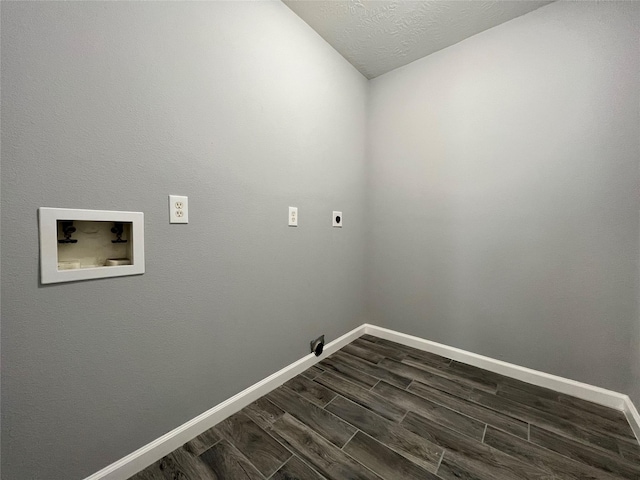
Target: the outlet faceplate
(293, 216)
(337, 219)
(178, 209)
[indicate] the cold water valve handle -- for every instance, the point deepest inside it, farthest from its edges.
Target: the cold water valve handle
(67, 230)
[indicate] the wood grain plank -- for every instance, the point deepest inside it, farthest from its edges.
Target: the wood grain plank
(363, 353)
(369, 338)
(191, 467)
(227, 462)
(310, 390)
(312, 372)
(362, 396)
(593, 408)
(427, 358)
(545, 420)
(374, 371)
(630, 451)
(383, 350)
(577, 403)
(530, 388)
(321, 421)
(179, 464)
(440, 378)
(296, 469)
(263, 412)
(438, 413)
(415, 448)
(265, 453)
(470, 455)
(385, 462)
(358, 376)
(544, 459)
(322, 455)
(605, 460)
(566, 412)
(202, 442)
(473, 410)
(478, 378)
(458, 467)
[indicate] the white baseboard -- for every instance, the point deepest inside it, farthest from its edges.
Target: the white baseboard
(633, 417)
(608, 398)
(154, 451)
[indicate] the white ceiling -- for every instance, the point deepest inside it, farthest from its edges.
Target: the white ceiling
(378, 36)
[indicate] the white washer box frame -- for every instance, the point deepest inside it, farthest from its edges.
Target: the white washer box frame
(48, 222)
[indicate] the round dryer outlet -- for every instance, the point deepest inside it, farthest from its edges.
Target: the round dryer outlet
(337, 219)
(317, 346)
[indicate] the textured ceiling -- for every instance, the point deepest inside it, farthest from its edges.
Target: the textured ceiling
(378, 36)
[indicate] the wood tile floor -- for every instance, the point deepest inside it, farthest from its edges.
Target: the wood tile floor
(379, 410)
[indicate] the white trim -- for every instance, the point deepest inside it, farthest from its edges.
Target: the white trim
(581, 390)
(48, 226)
(633, 417)
(145, 456)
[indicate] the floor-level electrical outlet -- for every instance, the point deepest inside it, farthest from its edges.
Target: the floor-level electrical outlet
(337, 219)
(293, 216)
(178, 209)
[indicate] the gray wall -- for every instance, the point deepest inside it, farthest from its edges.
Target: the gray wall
(503, 193)
(502, 207)
(634, 388)
(243, 108)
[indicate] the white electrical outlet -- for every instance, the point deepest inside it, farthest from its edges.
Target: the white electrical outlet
(293, 216)
(178, 209)
(337, 219)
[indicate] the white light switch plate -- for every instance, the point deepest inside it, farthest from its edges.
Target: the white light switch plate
(178, 209)
(293, 216)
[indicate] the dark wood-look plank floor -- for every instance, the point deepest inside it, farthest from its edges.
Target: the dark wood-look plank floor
(377, 410)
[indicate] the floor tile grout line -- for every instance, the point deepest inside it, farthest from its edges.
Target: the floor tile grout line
(241, 453)
(529, 421)
(550, 411)
(439, 372)
(350, 438)
(308, 464)
(377, 378)
(328, 411)
(393, 449)
(440, 462)
(367, 467)
(270, 432)
(406, 353)
(602, 451)
(335, 372)
(571, 459)
(283, 464)
(449, 407)
(403, 417)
